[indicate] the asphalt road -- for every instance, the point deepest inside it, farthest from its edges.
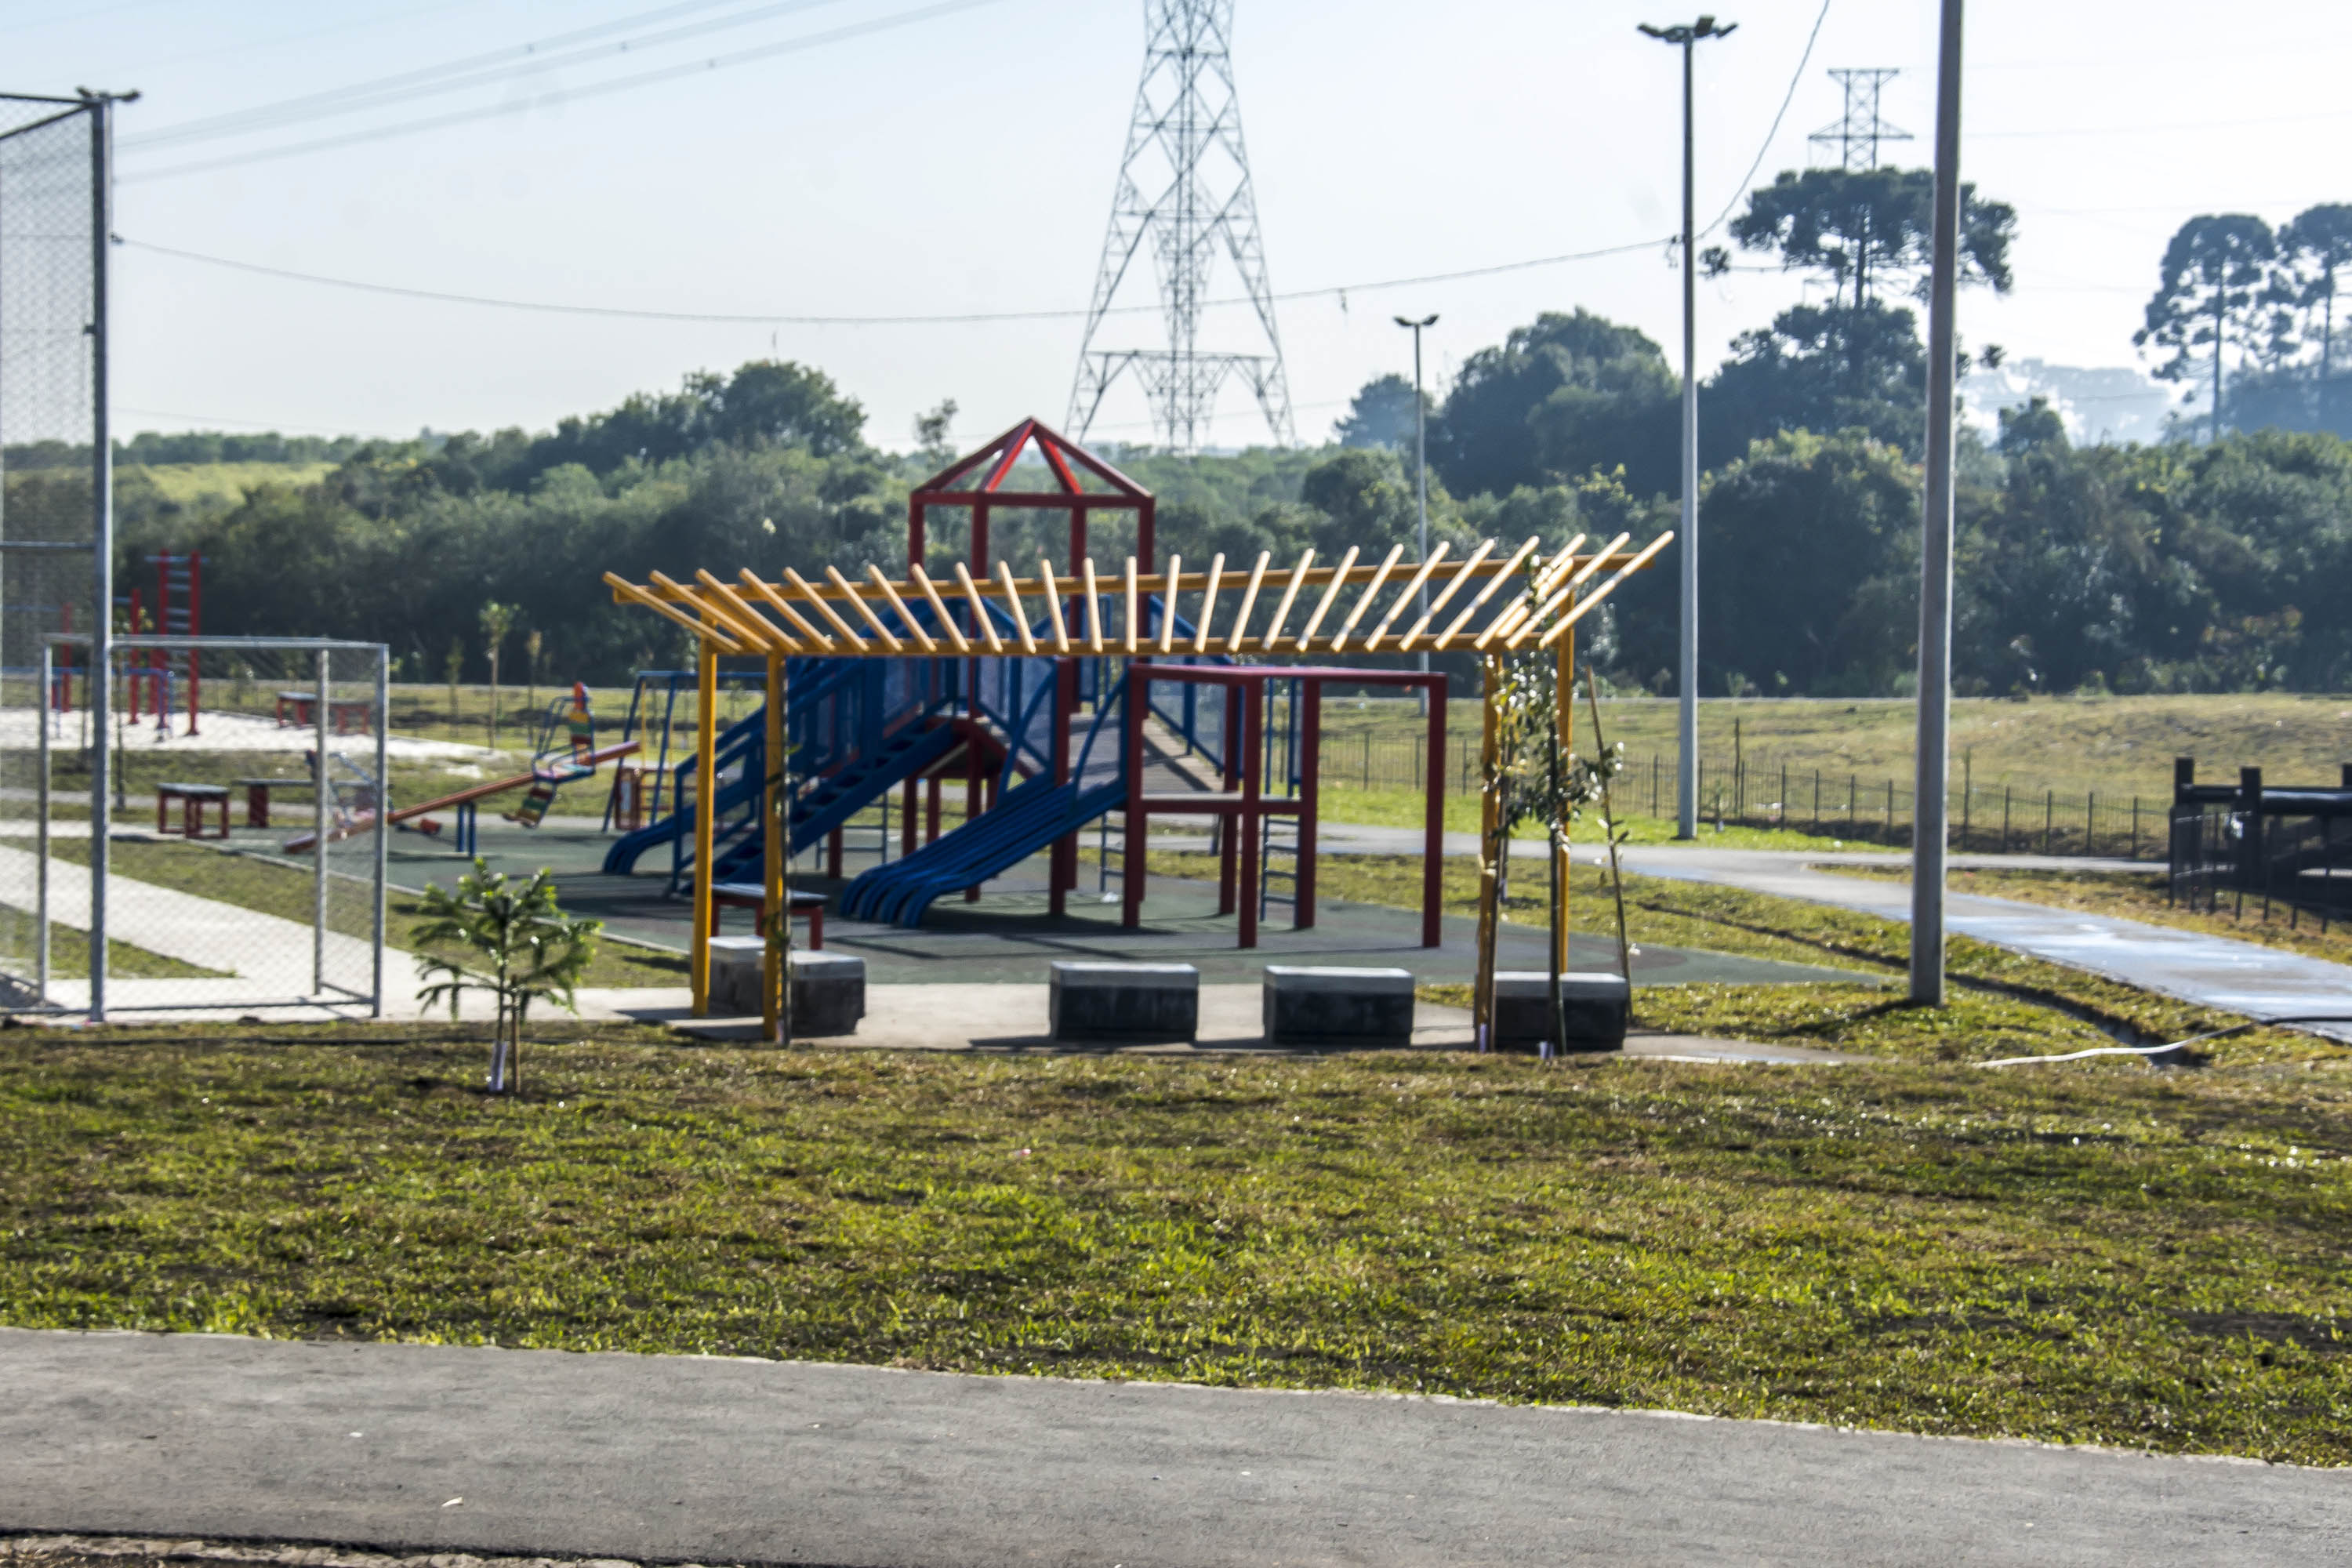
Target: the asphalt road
(722, 1460)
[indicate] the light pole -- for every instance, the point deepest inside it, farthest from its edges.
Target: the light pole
(1421, 471)
(1686, 686)
(1930, 805)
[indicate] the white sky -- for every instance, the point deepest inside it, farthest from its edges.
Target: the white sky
(964, 161)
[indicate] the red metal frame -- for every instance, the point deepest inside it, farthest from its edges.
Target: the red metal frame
(1243, 809)
(975, 480)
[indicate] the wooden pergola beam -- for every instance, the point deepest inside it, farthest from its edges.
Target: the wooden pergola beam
(754, 615)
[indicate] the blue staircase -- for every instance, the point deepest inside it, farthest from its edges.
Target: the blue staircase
(1027, 818)
(858, 728)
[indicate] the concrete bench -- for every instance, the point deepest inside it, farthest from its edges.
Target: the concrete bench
(1595, 1005)
(193, 798)
(828, 988)
(1311, 1006)
(1125, 1002)
(828, 993)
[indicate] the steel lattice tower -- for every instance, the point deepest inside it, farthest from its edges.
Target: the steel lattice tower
(1184, 188)
(1855, 137)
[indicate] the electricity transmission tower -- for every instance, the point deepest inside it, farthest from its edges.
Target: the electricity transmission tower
(1184, 191)
(1855, 137)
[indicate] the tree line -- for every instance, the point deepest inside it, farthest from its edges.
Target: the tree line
(2173, 567)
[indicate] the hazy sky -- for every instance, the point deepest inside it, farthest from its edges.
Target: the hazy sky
(963, 159)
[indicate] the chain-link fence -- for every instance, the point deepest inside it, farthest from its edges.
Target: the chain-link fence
(225, 759)
(53, 469)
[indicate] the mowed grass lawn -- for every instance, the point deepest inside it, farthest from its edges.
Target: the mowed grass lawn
(2108, 1254)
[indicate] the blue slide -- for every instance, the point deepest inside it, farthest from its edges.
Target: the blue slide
(1026, 819)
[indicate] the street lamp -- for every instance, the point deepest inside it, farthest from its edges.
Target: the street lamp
(1420, 468)
(1686, 688)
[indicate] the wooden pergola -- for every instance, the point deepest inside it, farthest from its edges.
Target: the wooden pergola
(1350, 607)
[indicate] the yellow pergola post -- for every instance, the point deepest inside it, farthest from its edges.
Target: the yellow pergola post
(1482, 990)
(706, 760)
(775, 988)
(1564, 700)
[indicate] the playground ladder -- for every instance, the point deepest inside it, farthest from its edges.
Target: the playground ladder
(1277, 836)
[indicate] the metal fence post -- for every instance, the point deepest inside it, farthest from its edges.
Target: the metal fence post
(383, 815)
(101, 625)
(319, 829)
(41, 845)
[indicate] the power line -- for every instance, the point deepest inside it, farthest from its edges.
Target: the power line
(458, 75)
(759, 320)
(1748, 180)
(595, 90)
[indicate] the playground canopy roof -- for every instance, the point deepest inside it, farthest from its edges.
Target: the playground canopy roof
(796, 616)
(980, 475)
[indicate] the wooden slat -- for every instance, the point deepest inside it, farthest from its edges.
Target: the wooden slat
(1054, 605)
(978, 610)
(1208, 603)
(1127, 608)
(1405, 596)
(1461, 575)
(1094, 606)
(1012, 608)
(1249, 599)
(858, 604)
(625, 589)
(956, 638)
(1330, 592)
(1282, 610)
(1370, 594)
(817, 640)
(856, 644)
(1446, 637)
(1168, 603)
(1592, 600)
(751, 629)
(1568, 582)
(914, 627)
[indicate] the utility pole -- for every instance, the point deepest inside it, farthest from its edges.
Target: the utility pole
(1421, 469)
(1928, 825)
(1686, 688)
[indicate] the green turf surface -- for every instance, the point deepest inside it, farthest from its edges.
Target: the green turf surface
(2112, 1255)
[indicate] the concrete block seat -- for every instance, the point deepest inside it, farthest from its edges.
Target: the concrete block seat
(1596, 1005)
(1125, 1003)
(1305, 1005)
(828, 988)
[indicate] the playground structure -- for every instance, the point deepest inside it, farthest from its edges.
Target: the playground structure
(169, 677)
(908, 638)
(564, 752)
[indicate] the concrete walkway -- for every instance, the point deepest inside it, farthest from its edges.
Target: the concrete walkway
(436, 1448)
(2215, 972)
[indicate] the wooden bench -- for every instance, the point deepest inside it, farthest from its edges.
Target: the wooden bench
(193, 799)
(754, 897)
(256, 796)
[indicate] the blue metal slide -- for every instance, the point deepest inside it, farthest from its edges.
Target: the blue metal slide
(1026, 819)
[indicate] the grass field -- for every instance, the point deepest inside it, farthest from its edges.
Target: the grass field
(222, 484)
(2117, 746)
(2004, 1004)
(2111, 1256)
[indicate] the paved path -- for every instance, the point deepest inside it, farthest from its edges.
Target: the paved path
(712, 1460)
(2211, 971)
(2214, 972)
